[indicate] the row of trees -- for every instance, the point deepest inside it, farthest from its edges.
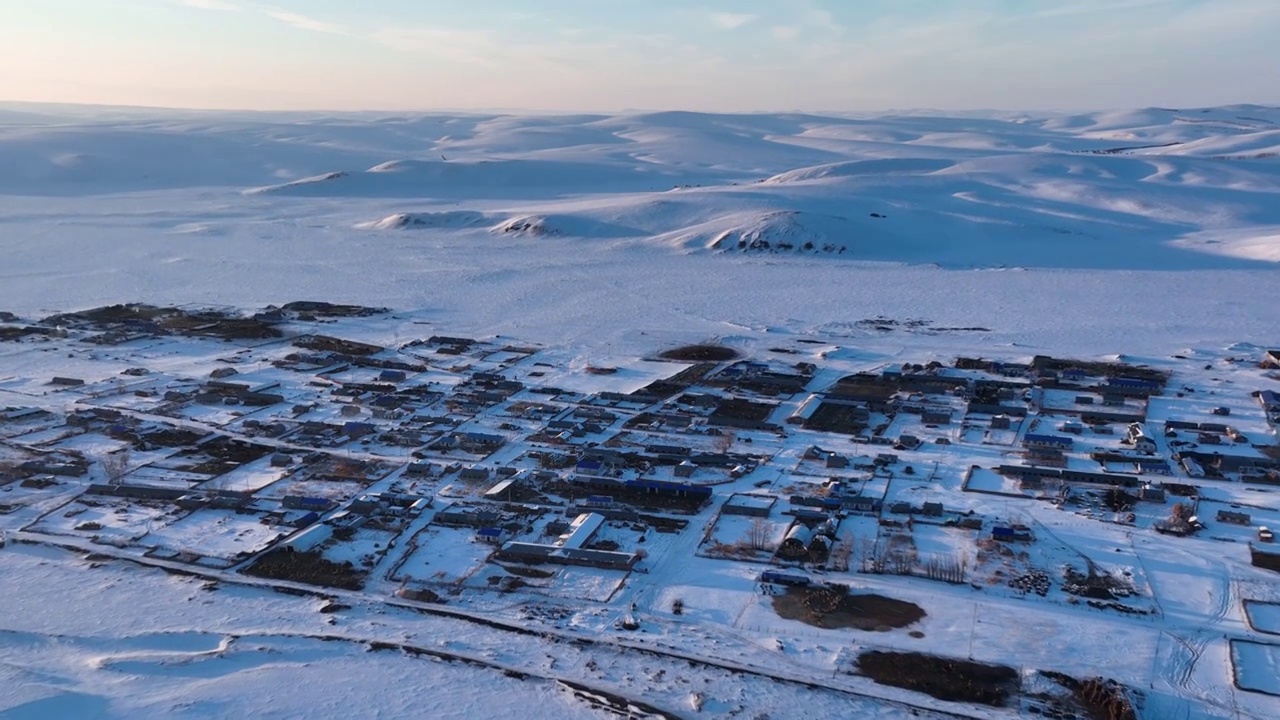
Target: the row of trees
(902, 559)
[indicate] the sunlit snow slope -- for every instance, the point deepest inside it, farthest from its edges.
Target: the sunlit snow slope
(1148, 189)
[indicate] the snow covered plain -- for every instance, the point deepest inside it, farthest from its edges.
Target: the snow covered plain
(1148, 231)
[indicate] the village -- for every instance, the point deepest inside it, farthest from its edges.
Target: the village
(848, 510)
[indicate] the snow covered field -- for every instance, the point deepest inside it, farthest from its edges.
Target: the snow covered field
(869, 240)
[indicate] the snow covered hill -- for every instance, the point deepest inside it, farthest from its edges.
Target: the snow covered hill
(665, 217)
(1147, 189)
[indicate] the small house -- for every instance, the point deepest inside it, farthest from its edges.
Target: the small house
(932, 509)
(685, 469)
(1152, 494)
(1234, 518)
(936, 417)
(1141, 440)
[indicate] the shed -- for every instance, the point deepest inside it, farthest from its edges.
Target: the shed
(798, 537)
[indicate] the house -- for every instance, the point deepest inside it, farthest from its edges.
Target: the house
(581, 530)
(490, 535)
(350, 410)
(910, 442)
(1047, 442)
(467, 516)
(1047, 457)
(1132, 386)
(392, 376)
(1010, 532)
(836, 462)
(1154, 467)
(66, 381)
(365, 504)
(357, 429)
(1270, 399)
(932, 509)
(775, 577)
(1142, 442)
(474, 474)
(685, 469)
(1001, 422)
(480, 442)
(1152, 494)
(505, 490)
(1271, 360)
(936, 417)
(422, 468)
(302, 502)
(1234, 518)
(538, 553)
(281, 459)
(749, 505)
(590, 466)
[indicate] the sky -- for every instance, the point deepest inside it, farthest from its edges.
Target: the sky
(602, 55)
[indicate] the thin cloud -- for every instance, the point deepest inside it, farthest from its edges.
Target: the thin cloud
(785, 32)
(222, 5)
(730, 21)
(292, 19)
(303, 22)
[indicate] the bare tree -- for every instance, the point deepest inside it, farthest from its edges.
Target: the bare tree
(842, 553)
(724, 441)
(115, 466)
(758, 534)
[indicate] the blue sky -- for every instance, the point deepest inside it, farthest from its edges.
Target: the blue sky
(652, 54)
